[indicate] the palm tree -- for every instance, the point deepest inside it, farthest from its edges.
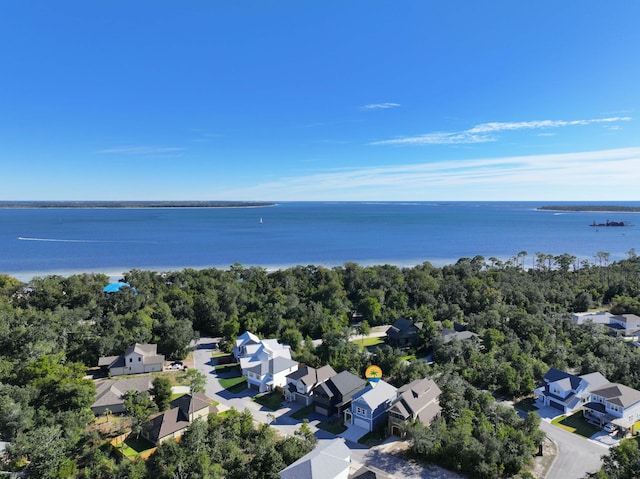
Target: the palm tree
(107, 412)
(363, 329)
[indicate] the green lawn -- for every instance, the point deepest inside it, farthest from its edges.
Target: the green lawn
(234, 385)
(271, 401)
(220, 354)
(368, 342)
(575, 424)
(131, 447)
(410, 357)
(303, 413)
(334, 426)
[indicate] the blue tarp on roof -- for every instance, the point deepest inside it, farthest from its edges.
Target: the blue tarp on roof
(115, 287)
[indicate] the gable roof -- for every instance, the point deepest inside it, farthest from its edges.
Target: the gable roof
(143, 349)
(619, 394)
(166, 423)
(176, 418)
(345, 382)
(374, 396)
(305, 374)
(111, 391)
(273, 366)
(403, 326)
(149, 353)
(450, 334)
(570, 382)
(189, 403)
(312, 376)
(327, 461)
(279, 364)
(418, 399)
(324, 373)
(245, 338)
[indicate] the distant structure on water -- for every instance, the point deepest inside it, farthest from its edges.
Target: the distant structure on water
(610, 223)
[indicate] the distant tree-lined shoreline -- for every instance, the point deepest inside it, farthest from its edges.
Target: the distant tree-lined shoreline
(134, 204)
(590, 208)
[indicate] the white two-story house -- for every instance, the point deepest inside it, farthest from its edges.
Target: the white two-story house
(139, 358)
(567, 392)
(614, 403)
(264, 362)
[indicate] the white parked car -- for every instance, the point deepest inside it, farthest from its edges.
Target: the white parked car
(609, 427)
(176, 366)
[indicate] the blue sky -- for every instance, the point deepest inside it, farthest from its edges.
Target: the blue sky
(332, 100)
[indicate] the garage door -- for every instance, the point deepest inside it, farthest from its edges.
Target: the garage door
(321, 410)
(556, 405)
(361, 423)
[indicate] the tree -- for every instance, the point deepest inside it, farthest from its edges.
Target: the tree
(292, 337)
(107, 414)
(162, 392)
(363, 329)
(139, 406)
(46, 450)
(197, 381)
(370, 308)
(623, 462)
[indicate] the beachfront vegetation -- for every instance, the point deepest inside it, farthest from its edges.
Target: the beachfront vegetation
(54, 328)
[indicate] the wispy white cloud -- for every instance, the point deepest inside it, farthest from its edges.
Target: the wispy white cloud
(379, 106)
(485, 132)
(607, 174)
(139, 150)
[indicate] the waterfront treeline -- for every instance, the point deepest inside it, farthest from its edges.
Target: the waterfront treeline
(54, 328)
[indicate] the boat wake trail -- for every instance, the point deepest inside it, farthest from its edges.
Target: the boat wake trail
(57, 240)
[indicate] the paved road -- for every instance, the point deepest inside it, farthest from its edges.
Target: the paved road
(576, 457)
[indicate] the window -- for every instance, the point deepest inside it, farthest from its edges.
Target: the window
(130, 360)
(139, 359)
(361, 411)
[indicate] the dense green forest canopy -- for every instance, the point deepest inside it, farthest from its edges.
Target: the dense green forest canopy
(54, 328)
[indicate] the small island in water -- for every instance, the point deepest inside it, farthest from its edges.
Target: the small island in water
(134, 204)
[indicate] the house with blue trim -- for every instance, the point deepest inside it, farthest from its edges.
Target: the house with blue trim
(567, 392)
(369, 406)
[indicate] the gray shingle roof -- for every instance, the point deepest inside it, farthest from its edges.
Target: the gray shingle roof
(345, 382)
(110, 392)
(374, 396)
(418, 399)
(619, 394)
(328, 460)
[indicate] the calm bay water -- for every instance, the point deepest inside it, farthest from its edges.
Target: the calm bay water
(64, 241)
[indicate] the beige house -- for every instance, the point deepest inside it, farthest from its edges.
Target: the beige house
(137, 359)
(172, 423)
(416, 401)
